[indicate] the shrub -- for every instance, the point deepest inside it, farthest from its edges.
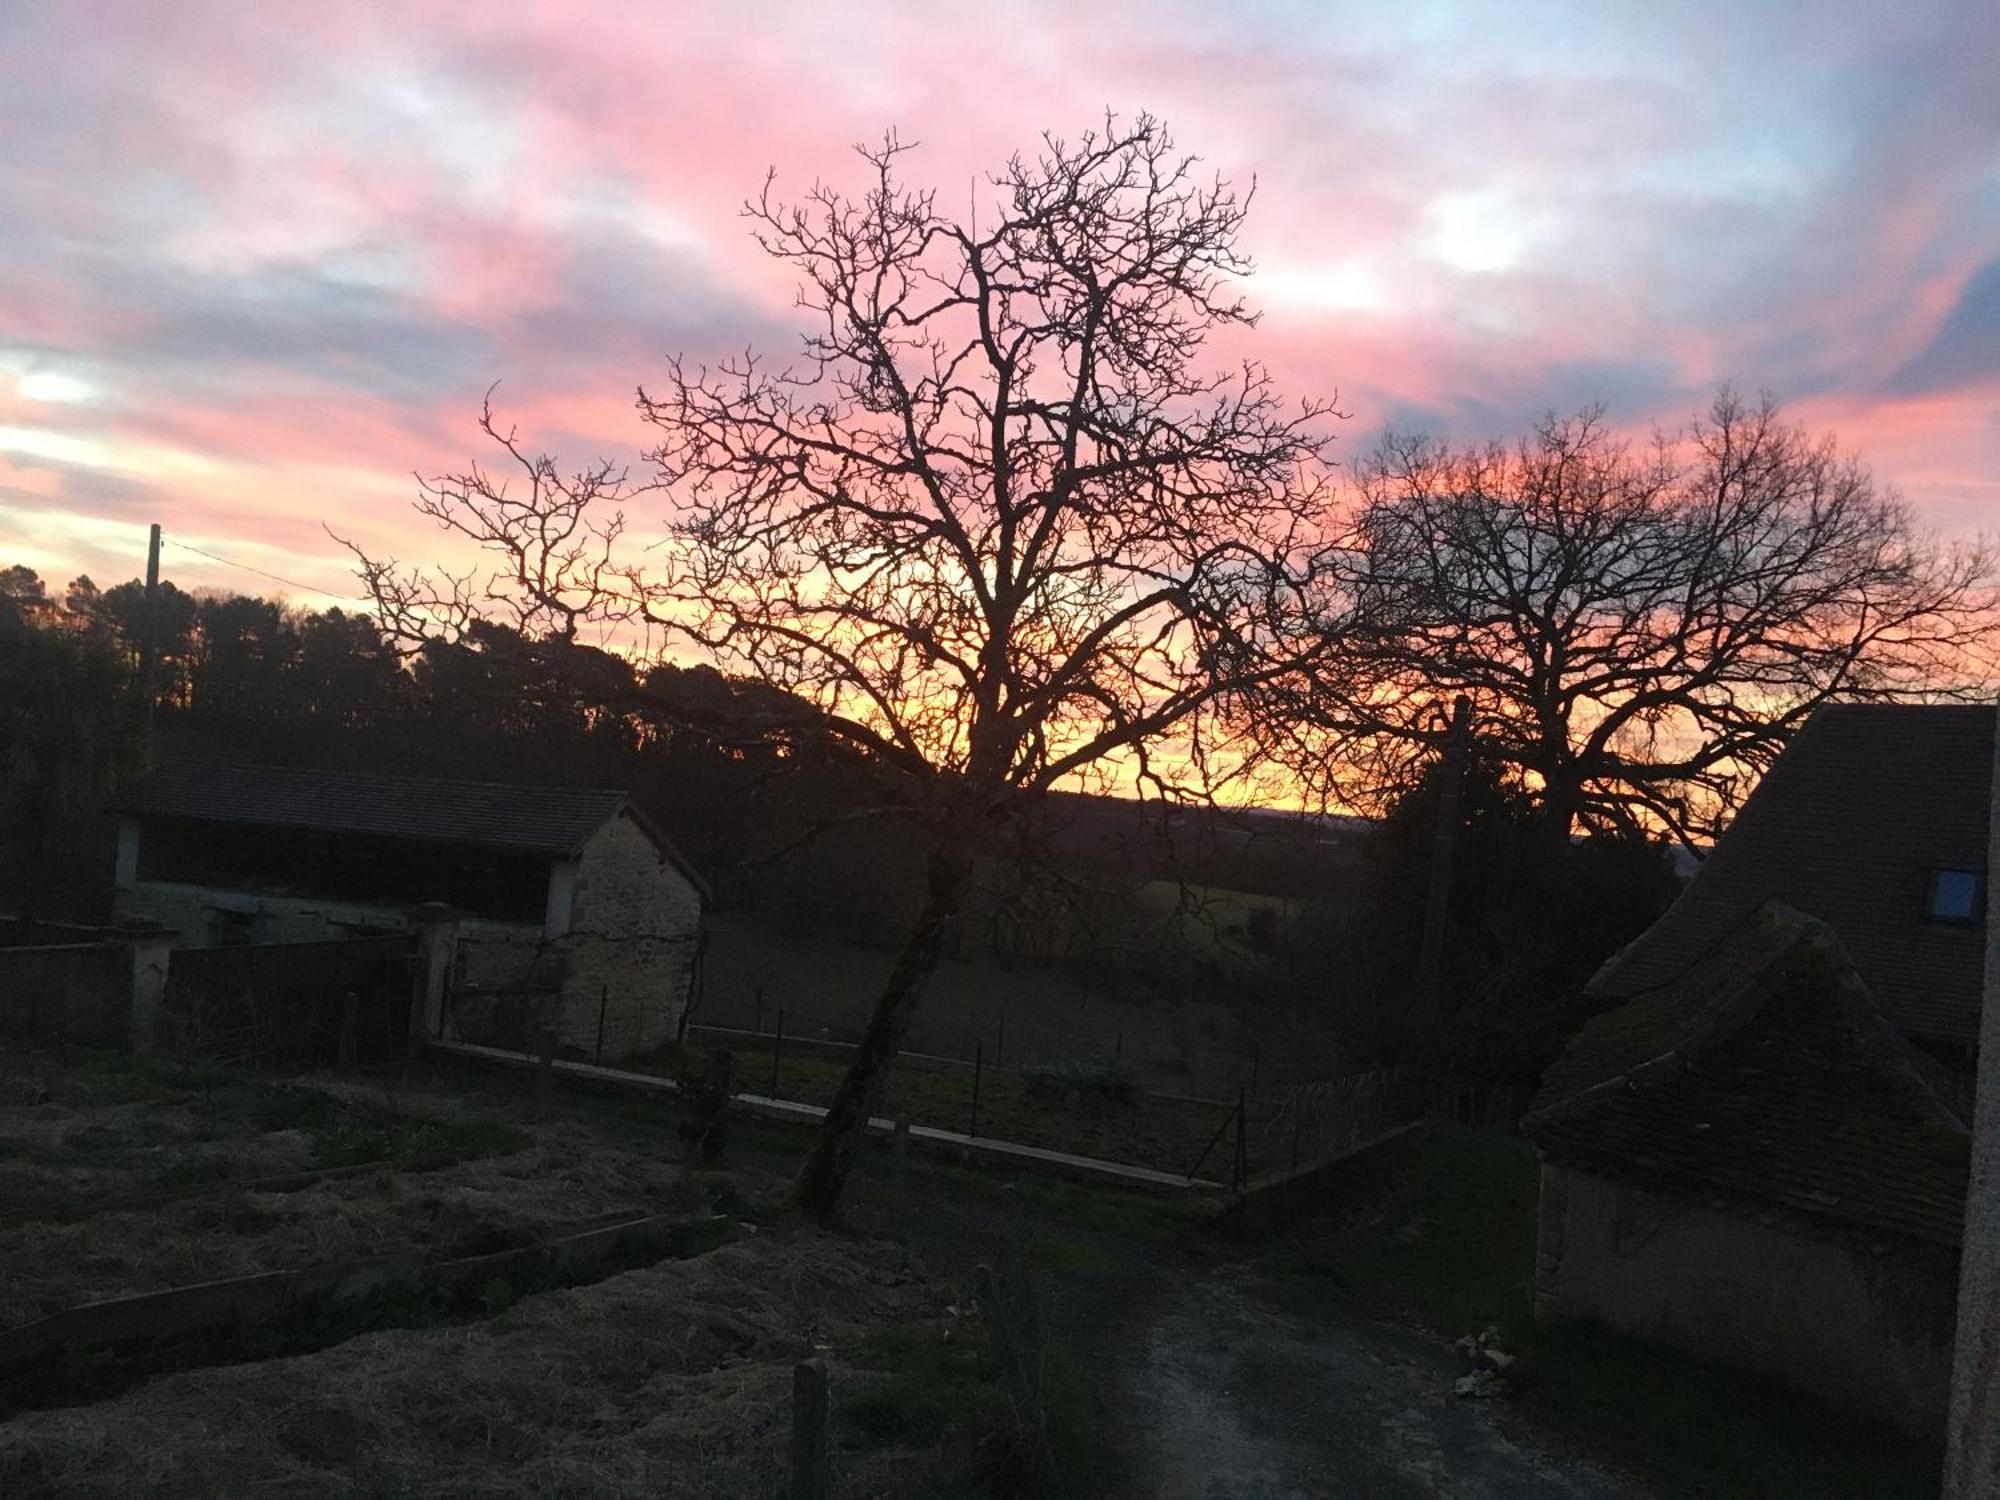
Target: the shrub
(1112, 1082)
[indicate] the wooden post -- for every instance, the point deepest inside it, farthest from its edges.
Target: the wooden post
(978, 1058)
(812, 1467)
(603, 999)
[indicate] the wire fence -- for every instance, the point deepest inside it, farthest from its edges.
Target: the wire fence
(290, 1005)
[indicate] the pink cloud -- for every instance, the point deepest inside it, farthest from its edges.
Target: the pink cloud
(297, 241)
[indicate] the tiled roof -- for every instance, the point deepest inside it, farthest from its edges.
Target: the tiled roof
(1848, 826)
(541, 820)
(1767, 1078)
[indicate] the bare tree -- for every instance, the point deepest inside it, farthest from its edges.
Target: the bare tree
(1639, 629)
(999, 528)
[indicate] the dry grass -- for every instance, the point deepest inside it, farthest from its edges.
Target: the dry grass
(673, 1380)
(567, 1176)
(79, 1127)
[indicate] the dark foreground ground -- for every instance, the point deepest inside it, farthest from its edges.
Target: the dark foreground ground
(1210, 1385)
(1318, 1362)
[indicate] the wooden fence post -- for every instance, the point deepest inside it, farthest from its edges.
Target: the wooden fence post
(812, 1469)
(978, 1060)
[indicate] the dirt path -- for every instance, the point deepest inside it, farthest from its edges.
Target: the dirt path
(1212, 1388)
(1221, 1392)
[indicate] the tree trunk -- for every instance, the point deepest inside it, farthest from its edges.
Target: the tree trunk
(823, 1178)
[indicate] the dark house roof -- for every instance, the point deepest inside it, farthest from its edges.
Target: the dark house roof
(552, 821)
(1867, 802)
(1765, 1077)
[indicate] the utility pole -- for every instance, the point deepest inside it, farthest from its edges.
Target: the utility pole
(1437, 903)
(149, 650)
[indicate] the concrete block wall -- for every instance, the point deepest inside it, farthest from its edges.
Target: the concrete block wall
(1869, 1328)
(634, 922)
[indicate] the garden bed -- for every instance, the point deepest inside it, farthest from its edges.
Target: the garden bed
(672, 1380)
(80, 1128)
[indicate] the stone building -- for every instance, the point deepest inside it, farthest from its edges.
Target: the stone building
(572, 908)
(1750, 1162)
(1758, 1150)
(1875, 820)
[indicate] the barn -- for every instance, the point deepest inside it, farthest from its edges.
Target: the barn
(571, 909)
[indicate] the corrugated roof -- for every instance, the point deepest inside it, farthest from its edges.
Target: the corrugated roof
(540, 820)
(1848, 826)
(1765, 1077)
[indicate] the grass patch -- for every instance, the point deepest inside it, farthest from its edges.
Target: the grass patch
(1448, 1244)
(1069, 1256)
(1171, 1219)
(1697, 1428)
(927, 1388)
(933, 1393)
(101, 1126)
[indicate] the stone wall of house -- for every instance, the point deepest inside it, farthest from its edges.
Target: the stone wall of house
(1972, 1466)
(1864, 1326)
(634, 922)
(507, 955)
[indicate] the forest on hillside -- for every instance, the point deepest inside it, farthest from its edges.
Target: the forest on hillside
(768, 816)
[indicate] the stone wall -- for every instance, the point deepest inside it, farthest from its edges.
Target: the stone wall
(507, 955)
(634, 922)
(1864, 1326)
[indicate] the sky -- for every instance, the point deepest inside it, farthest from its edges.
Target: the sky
(259, 262)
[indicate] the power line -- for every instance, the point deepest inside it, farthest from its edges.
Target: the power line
(261, 573)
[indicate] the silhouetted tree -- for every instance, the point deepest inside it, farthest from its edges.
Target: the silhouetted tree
(1529, 919)
(999, 528)
(1639, 630)
(23, 595)
(64, 741)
